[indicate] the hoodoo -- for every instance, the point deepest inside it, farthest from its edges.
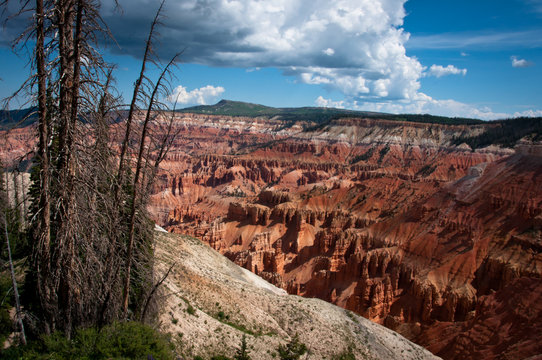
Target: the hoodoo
(404, 223)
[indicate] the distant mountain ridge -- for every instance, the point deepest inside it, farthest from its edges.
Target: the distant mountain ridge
(228, 107)
(316, 114)
(498, 132)
(17, 118)
(239, 108)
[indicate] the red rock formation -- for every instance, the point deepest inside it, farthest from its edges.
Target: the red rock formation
(505, 324)
(387, 219)
(408, 231)
(16, 145)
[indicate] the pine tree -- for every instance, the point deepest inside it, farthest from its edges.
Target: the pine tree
(293, 350)
(242, 352)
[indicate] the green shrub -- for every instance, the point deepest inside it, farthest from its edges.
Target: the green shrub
(190, 310)
(129, 340)
(6, 293)
(346, 355)
(242, 352)
(363, 157)
(293, 350)
(132, 340)
(426, 170)
(383, 153)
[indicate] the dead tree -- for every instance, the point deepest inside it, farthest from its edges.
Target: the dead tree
(5, 208)
(147, 57)
(138, 171)
(90, 205)
(18, 312)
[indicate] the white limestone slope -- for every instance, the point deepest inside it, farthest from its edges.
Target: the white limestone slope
(208, 303)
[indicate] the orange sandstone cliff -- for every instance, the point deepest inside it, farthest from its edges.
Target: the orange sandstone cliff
(392, 220)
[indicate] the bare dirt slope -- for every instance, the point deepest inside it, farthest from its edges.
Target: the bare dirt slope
(210, 303)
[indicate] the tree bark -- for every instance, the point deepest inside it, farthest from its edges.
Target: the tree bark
(43, 256)
(14, 284)
(129, 255)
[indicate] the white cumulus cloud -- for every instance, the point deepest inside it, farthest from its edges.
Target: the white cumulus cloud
(520, 63)
(425, 104)
(353, 46)
(528, 113)
(201, 96)
(440, 71)
(328, 103)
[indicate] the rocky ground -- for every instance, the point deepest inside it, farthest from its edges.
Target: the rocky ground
(209, 303)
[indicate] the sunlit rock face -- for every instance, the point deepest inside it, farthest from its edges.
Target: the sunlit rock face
(388, 219)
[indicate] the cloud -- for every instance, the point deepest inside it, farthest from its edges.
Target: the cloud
(353, 46)
(528, 113)
(440, 71)
(328, 103)
(478, 40)
(536, 5)
(202, 96)
(424, 104)
(11, 29)
(520, 63)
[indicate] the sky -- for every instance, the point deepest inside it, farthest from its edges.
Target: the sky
(480, 59)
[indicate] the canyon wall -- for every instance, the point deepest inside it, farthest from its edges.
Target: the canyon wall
(392, 220)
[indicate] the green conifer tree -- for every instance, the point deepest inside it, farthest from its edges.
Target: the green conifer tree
(242, 353)
(293, 350)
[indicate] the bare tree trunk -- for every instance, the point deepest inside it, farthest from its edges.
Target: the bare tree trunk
(135, 195)
(14, 283)
(72, 51)
(65, 48)
(135, 96)
(6, 181)
(16, 201)
(131, 234)
(153, 291)
(25, 208)
(44, 219)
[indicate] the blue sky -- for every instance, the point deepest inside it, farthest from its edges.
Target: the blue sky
(478, 58)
